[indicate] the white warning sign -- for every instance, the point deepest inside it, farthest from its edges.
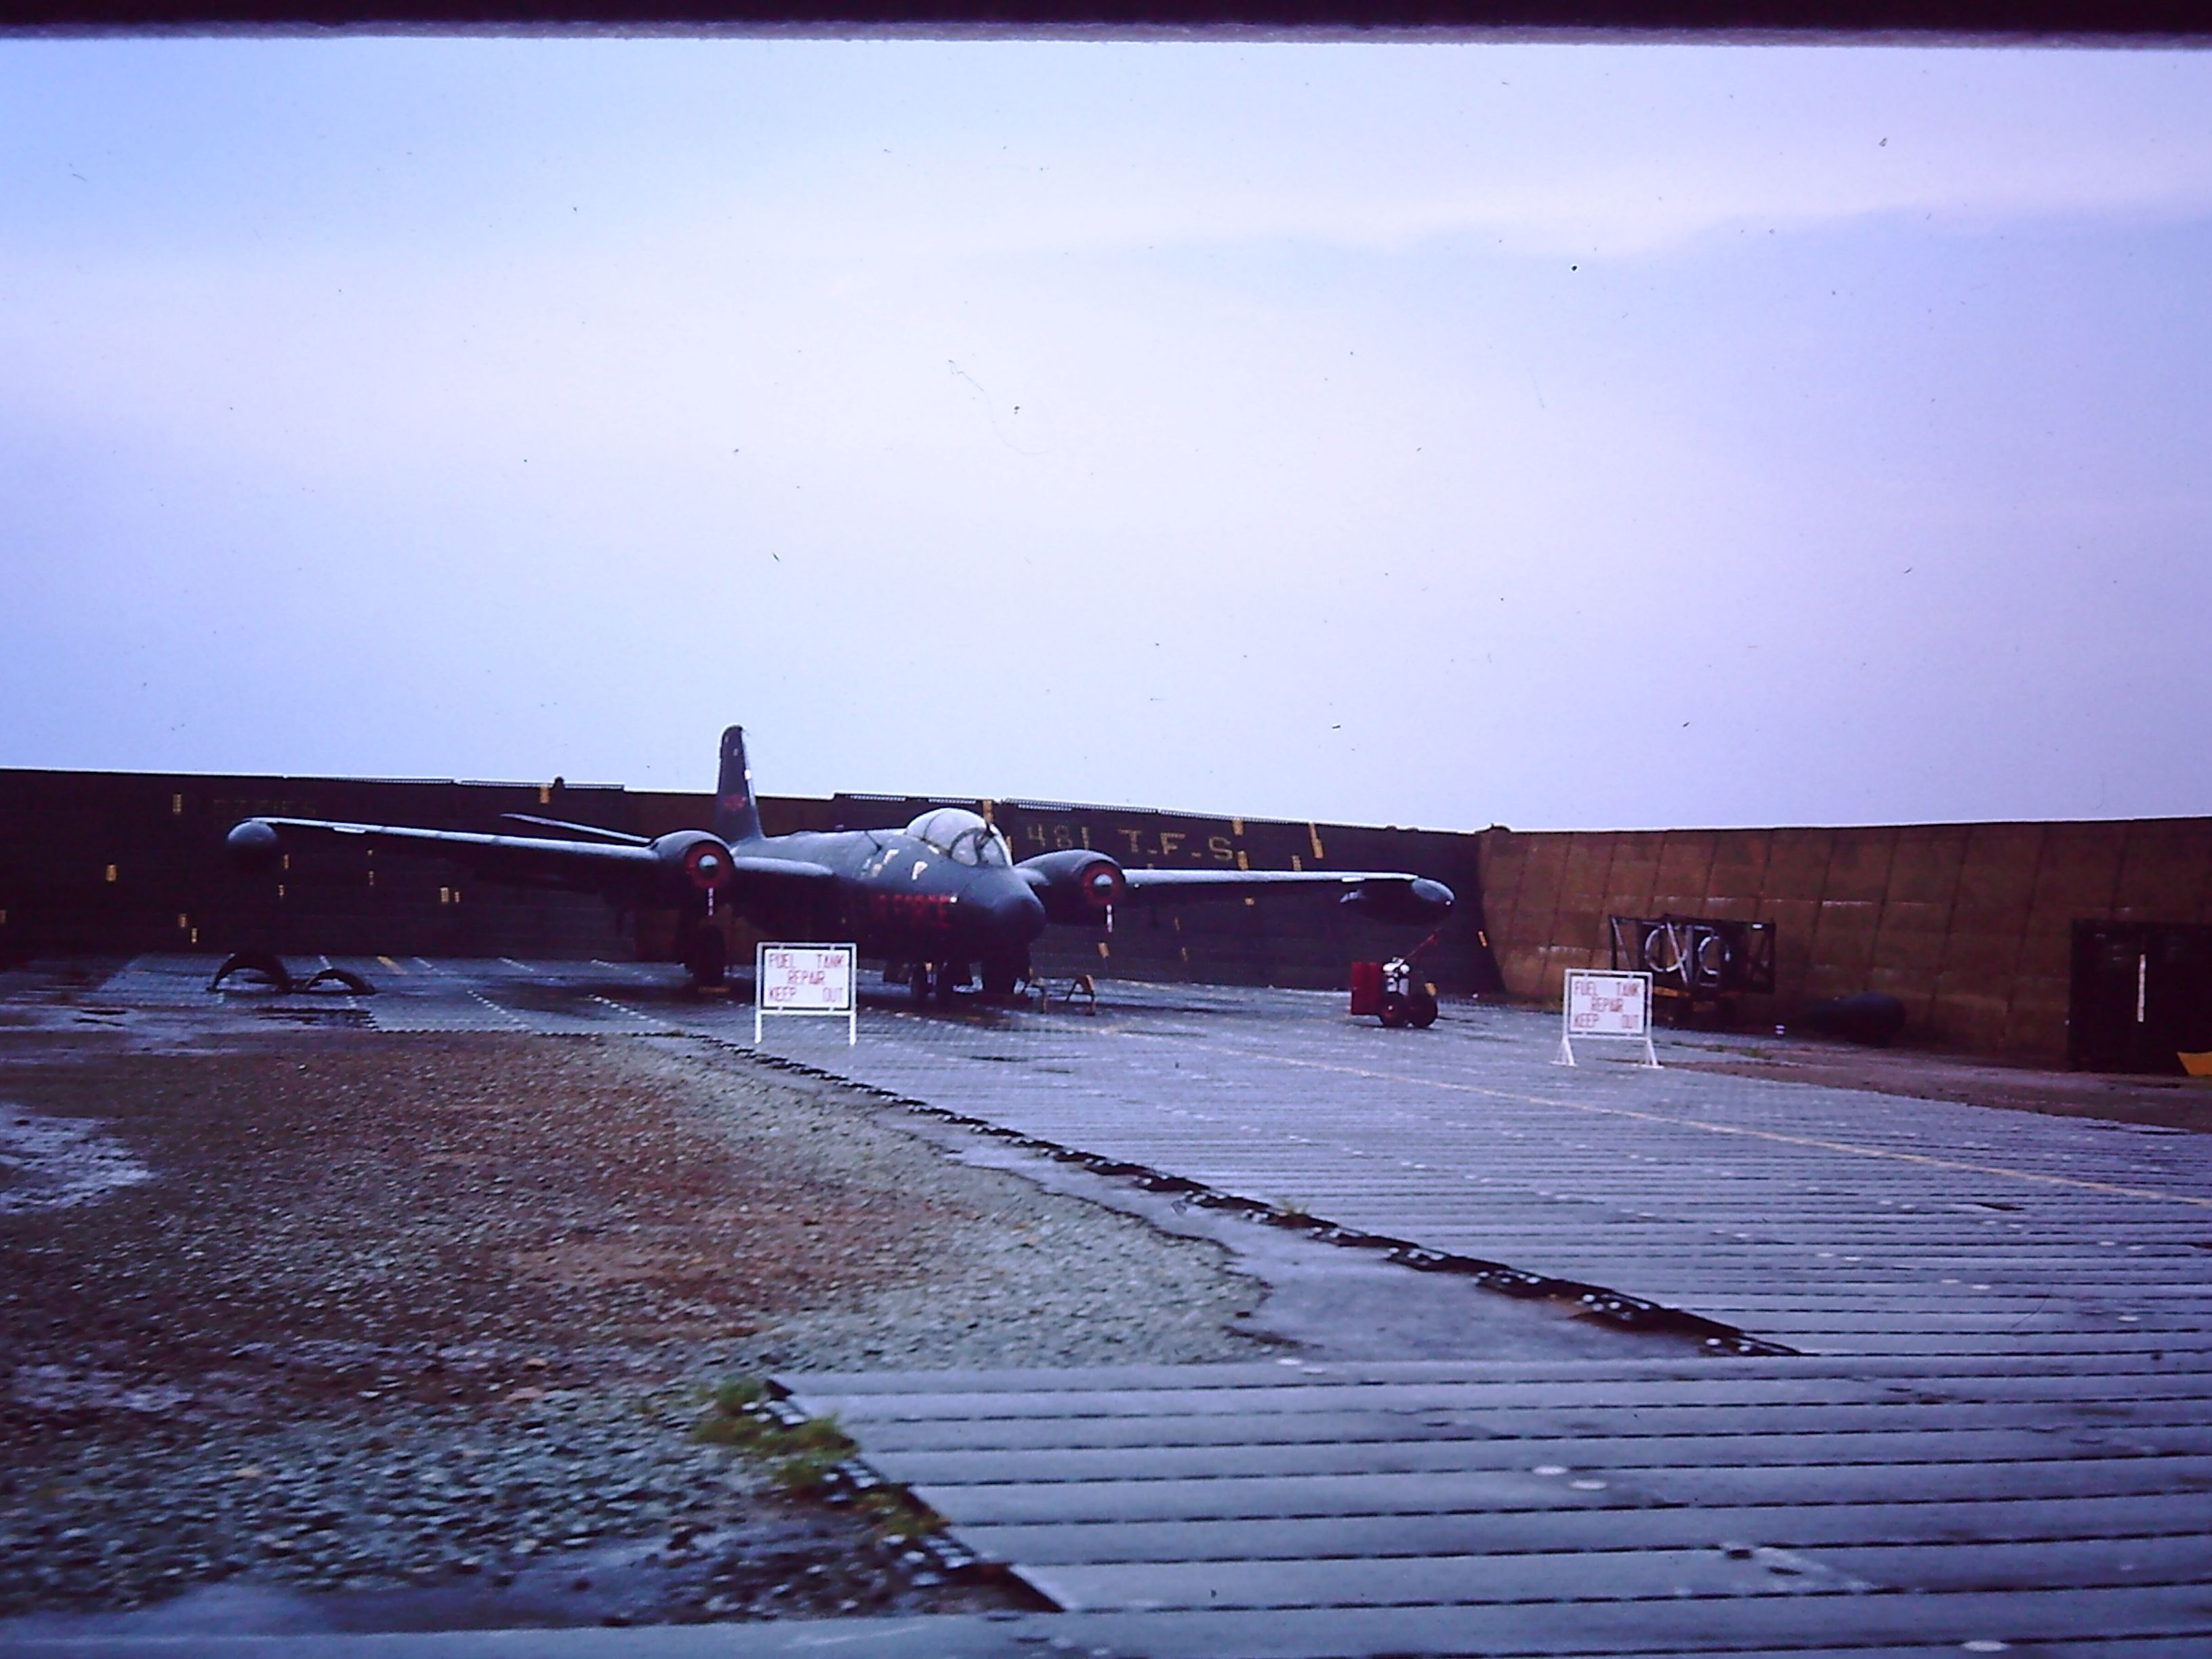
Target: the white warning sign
(805, 979)
(1602, 1004)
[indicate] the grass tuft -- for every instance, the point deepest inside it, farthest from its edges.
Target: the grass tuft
(739, 1393)
(799, 1456)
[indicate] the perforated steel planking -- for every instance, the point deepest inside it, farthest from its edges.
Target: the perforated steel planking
(1994, 1433)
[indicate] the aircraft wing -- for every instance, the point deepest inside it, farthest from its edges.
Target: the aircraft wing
(1391, 895)
(633, 872)
(750, 866)
(526, 861)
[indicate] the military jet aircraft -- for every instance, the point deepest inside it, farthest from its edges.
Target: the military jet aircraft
(940, 897)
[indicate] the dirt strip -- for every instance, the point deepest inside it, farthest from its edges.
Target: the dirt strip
(428, 1321)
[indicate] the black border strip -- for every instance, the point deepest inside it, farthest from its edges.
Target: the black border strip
(1710, 22)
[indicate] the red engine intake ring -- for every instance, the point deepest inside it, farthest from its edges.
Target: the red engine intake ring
(1102, 884)
(708, 864)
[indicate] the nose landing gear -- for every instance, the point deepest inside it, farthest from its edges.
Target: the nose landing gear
(947, 979)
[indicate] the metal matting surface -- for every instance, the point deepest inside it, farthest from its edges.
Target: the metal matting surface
(1996, 1434)
(1825, 1220)
(1652, 1506)
(1828, 1220)
(1996, 1430)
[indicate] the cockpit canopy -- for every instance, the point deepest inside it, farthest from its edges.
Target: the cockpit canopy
(962, 836)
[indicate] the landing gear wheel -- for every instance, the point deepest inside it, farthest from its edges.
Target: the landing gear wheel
(1394, 1011)
(1421, 1009)
(1001, 975)
(707, 957)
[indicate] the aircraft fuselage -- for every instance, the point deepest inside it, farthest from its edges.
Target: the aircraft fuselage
(899, 897)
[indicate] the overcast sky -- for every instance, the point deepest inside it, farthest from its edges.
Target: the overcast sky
(1558, 436)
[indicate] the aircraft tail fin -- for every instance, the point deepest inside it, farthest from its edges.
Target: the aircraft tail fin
(736, 817)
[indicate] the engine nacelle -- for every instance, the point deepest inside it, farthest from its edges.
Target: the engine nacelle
(1417, 900)
(1077, 886)
(252, 846)
(694, 865)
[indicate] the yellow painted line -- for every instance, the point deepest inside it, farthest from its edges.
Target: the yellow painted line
(393, 965)
(1733, 1129)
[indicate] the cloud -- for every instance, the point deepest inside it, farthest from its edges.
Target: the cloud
(1135, 414)
(935, 151)
(1597, 151)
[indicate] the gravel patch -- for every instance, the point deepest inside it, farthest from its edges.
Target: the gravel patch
(1031, 1277)
(428, 1321)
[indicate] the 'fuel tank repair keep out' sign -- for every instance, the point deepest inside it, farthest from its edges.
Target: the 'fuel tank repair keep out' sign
(805, 979)
(1606, 1004)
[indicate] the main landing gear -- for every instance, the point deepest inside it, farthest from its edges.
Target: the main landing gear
(706, 957)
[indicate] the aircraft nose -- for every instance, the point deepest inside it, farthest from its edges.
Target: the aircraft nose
(1008, 912)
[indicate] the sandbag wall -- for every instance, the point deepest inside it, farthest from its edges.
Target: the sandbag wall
(116, 863)
(95, 863)
(1970, 925)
